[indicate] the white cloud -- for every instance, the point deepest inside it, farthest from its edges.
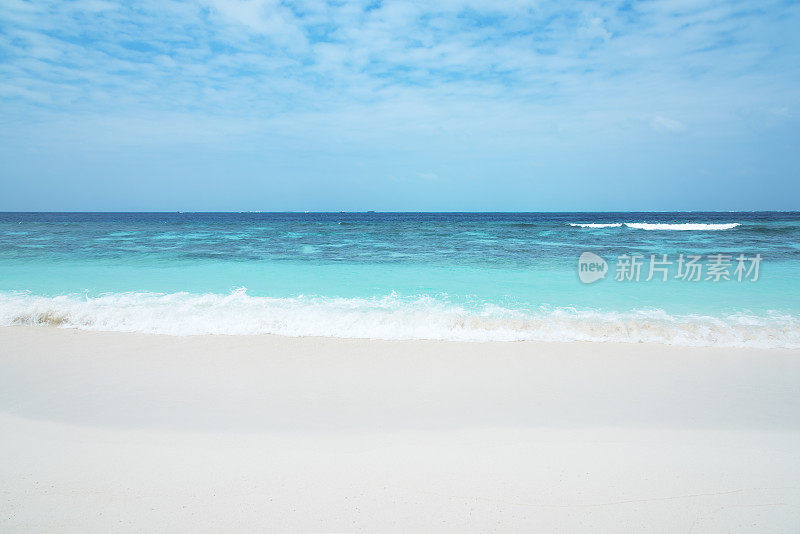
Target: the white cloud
(507, 70)
(268, 18)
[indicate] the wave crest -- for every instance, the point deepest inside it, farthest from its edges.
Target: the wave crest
(683, 226)
(661, 226)
(596, 225)
(386, 317)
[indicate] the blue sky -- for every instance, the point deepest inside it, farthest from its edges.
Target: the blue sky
(397, 105)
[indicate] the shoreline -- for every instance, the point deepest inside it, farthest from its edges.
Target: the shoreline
(107, 430)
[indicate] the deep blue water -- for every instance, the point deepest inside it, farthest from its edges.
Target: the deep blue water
(471, 276)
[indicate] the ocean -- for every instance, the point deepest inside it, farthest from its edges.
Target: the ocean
(448, 276)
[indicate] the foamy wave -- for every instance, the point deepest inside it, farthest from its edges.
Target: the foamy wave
(683, 226)
(597, 225)
(661, 226)
(387, 317)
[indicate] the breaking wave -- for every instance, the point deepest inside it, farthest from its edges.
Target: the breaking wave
(386, 317)
(682, 226)
(597, 225)
(662, 226)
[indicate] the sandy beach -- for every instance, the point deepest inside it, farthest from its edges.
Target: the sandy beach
(207, 433)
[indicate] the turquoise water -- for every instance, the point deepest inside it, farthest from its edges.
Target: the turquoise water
(503, 276)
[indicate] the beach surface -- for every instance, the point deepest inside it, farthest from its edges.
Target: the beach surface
(113, 431)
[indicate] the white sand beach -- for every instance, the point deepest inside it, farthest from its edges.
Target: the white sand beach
(129, 432)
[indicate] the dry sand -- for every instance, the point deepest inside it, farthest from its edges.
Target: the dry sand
(113, 431)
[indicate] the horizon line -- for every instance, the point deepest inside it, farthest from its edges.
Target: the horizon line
(344, 212)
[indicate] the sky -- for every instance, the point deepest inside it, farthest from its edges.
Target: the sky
(453, 105)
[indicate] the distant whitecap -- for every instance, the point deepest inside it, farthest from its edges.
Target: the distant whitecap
(597, 225)
(683, 226)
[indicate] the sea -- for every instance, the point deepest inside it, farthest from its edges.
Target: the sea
(689, 278)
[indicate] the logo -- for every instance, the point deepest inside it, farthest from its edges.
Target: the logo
(591, 267)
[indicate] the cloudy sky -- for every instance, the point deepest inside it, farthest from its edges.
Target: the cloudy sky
(398, 105)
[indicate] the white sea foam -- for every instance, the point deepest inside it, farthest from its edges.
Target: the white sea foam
(388, 317)
(682, 226)
(597, 225)
(661, 226)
